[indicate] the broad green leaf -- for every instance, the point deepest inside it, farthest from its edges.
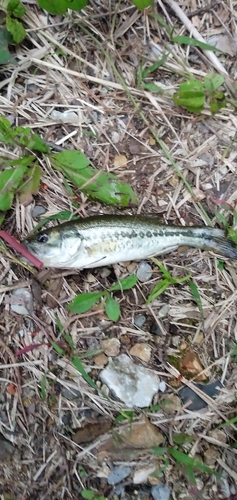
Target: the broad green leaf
(30, 185)
(213, 82)
(5, 55)
(16, 29)
(190, 96)
(124, 284)
(77, 4)
(88, 494)
(9, 181)
(37, 144)
(84, 302)
(186, 40)
(112, 308)
(196, 296)
(54, 6)
(16, 8)
(97, 184)
(141, 4)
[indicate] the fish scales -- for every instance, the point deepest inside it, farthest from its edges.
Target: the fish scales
(103, 240)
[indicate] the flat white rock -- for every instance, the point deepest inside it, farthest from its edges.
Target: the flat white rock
(132, 383)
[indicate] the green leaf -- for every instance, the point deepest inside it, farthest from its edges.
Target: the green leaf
(37, 144)
(5, 55)
(145, 72)
(112, 308)
(213, 82)
(61, 6)
(80, 368)
(88, 494)
(141, 4)
(16, 29)
(182, 438)
(186, 40)
(30, 185)
(158, 290)
(9, 181)
(190, 474)
(190, 96)
(217, 104)
(69, 340)
(152, 87)
(16, 8)
(124, 284)
(43, 387)
(58, 349)
(54, 6)
(84, 302)
(196, 296)
(97, 184)
(77, 4)
(185, 459)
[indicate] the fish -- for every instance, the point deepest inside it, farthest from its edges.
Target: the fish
(103, 240)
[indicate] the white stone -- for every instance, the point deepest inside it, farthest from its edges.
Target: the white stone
(22, 302)
(132, 383)
(144, 272)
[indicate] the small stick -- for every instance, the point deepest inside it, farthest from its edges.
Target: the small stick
(20, 249)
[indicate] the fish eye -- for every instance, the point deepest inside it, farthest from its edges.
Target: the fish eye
(43, 238)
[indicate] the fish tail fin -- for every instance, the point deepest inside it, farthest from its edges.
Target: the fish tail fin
(219, 242)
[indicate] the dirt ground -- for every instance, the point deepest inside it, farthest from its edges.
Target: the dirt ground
(55, 429)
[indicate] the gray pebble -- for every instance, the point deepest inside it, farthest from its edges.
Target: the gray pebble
(144, 272)
(37, 211)
(160, 492)
(118, 474)
(139, 320)
(70, 394)
(156, 330)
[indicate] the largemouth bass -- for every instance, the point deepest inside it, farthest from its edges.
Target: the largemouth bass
(108, 239)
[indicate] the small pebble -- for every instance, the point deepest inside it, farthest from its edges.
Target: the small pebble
(111, 347)
(141, 351)
(66, 116)
(21, 302)
(160, 492)
(163, 311)
(162, 386)
(144, 272)
(37, 211)
(115, 137)
(139, 320)
(70, 394)
(156, 330)
(118, 474)
(101, 359)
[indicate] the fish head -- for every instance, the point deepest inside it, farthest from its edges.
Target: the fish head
(55, 247)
